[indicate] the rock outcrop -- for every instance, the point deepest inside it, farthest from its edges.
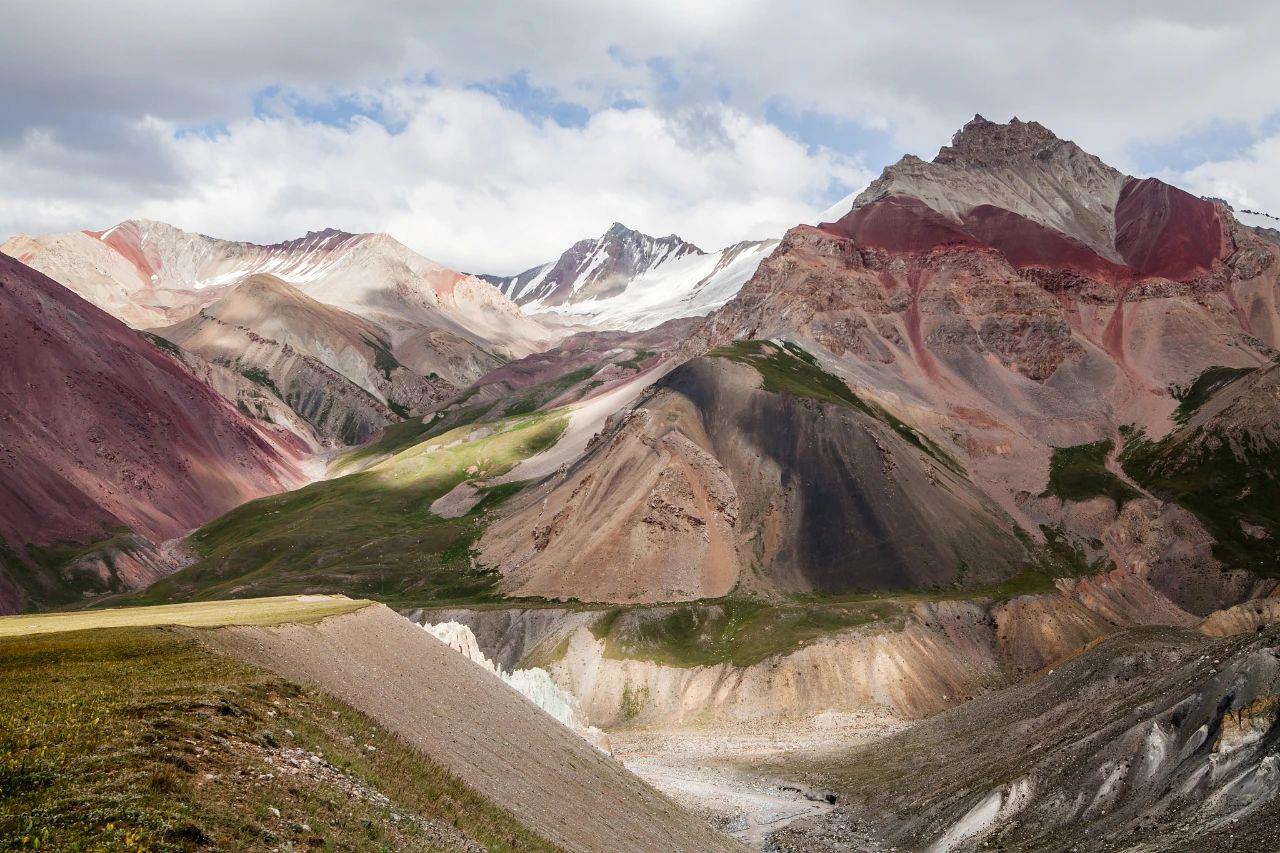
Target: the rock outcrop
(1017, 295)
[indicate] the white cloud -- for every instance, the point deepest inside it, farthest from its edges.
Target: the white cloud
(92, 97)
(1250, 181)
(1108, 74)
(464, 180)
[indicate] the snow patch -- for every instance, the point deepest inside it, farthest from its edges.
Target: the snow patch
(534, 684)
(1256, 219)
(687, 286)
(991, 811)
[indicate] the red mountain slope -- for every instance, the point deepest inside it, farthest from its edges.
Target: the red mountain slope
(103, 431)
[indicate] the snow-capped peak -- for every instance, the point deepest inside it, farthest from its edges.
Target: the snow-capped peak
(594, 268)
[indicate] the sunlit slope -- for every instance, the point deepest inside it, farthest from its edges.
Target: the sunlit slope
(371, 533)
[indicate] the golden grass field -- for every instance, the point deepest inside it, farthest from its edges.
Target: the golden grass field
(200, 614)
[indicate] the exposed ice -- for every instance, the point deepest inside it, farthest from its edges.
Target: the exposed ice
(534, 684)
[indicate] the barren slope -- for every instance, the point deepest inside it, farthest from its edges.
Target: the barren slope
(103, 433)
(756, 469)
(333, 368)
(467, 720)
(1154, 740)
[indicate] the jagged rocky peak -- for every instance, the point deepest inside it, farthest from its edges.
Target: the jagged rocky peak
(675, 246)
(594, 268)
(1019, 168)
(985, 142)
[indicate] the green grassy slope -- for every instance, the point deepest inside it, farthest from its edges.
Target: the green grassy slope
(1222, 463)
(1206, 385)
(737, 631)
(1234, 491)
(786, 368)
(142, 739)
(1080, 472)
(370, 533)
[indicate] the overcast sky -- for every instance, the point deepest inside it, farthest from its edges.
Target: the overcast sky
(490, 136)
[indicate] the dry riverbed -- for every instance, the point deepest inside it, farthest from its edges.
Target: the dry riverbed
(730, 773)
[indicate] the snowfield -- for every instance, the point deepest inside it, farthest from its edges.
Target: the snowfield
(688, 286)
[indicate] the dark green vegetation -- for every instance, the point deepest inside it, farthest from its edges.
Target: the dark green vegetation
(788, 369)
(533, 398)
(1206, 385)
(383, 360)
(137, 738)
(164, 343)
(1234, 489)
(638, 359)
(1080, 473)
(1060, 556)
(59, 575)
(371, 533)
(259, 376)
(1223, 465)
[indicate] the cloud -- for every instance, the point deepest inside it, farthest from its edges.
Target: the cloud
(455, 173)
(1250, 181)
(1108, 73)
(140, 106)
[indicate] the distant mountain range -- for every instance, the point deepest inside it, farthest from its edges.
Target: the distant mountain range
(352, 331)
(628, 280)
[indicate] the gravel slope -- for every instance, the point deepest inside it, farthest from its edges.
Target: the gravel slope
(467, 720)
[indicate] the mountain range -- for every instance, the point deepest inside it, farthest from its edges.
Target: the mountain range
(997, 435)
(628, 280)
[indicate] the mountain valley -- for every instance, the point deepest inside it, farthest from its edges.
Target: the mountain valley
(966, 499)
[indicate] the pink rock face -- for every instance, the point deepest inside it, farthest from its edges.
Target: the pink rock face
(1163, 231)
(1029, 244)
(899, 224)
(102, 430)
(126, 243)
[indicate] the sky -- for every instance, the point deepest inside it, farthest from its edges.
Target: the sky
(490, 136)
